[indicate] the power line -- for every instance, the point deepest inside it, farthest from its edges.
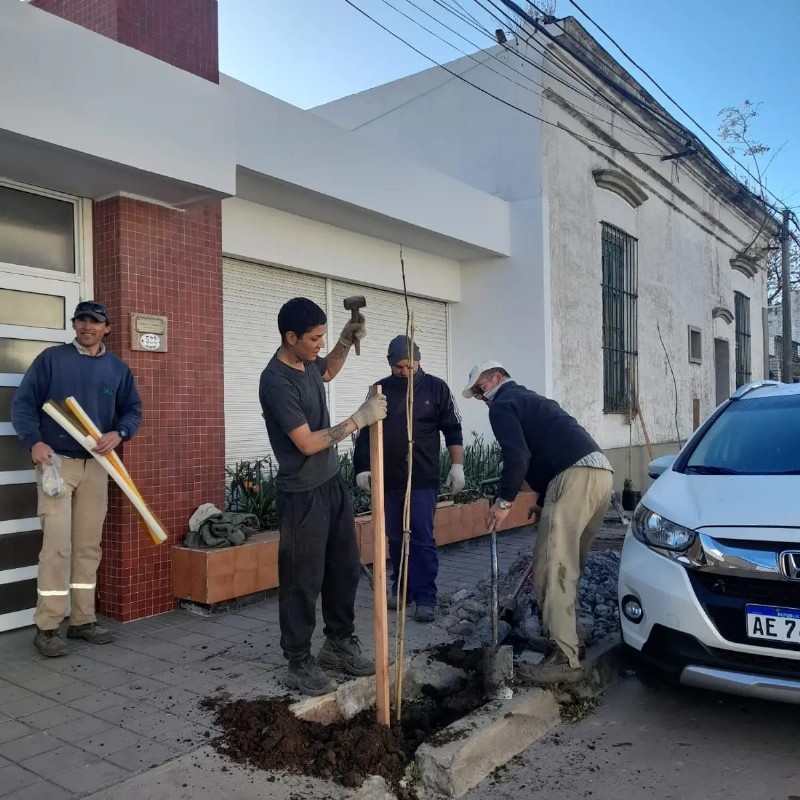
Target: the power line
(711, 137)
(566, 67)
(481, 63)
(488, 93)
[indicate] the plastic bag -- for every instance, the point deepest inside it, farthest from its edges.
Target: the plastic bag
(52, 482)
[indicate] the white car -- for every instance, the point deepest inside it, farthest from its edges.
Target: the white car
(709, 582)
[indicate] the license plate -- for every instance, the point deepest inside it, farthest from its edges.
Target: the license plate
(775, 624)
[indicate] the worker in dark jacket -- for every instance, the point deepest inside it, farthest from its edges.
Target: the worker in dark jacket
(547, 448)
(435, 413)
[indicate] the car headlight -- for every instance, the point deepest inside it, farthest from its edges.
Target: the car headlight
(655, 531)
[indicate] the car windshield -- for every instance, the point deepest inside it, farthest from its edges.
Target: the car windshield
(756, 436)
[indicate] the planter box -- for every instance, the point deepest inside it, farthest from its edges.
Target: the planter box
(214, 576)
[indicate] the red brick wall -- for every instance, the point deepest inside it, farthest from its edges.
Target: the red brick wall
(154, 260)
(183, 33)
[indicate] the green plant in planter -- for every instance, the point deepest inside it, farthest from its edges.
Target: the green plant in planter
(251, 489)
(251, 485)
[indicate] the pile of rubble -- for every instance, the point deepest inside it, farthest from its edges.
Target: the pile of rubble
(466, 611)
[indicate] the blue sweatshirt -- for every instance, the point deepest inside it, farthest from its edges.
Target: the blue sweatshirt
(103, 385)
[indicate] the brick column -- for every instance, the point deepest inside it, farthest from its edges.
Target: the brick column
(183, 33)
(156, 260)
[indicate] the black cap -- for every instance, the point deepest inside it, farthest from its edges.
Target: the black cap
(398, 350)
(88, 308)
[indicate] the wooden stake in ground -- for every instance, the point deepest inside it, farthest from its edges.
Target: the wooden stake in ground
(379, 569)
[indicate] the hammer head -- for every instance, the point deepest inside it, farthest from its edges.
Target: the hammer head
(355, 302)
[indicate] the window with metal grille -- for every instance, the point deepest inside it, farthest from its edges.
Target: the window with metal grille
(620, 340)
(741, 310)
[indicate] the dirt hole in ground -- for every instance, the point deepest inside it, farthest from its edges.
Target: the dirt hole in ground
(265, 734)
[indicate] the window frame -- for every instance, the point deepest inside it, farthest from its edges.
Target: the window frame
(620, 336)
(744, 339)
(81, 236)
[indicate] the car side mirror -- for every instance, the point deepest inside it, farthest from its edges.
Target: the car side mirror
(658, 466)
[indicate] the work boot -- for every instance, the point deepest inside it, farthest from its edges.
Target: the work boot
(541, 644)
(424, 613)
(50, 643)
(554, 669)
(305, 675)
(345, 655)
(92, 632)
(391, 599)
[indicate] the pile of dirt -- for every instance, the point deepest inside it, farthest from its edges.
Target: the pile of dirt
(265, 734)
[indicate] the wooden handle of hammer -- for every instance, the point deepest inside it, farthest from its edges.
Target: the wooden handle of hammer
(354, 314)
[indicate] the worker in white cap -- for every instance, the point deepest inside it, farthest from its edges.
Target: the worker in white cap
(547, 448)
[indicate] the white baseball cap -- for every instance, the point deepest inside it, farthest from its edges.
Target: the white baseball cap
(476, 372)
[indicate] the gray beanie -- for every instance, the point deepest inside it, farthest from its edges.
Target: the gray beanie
(398, 350)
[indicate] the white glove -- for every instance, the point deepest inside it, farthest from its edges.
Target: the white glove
(370, 411)
(353, 331)
(455, 479)
(363, 481)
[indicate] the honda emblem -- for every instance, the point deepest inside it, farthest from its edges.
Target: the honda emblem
(790, 564)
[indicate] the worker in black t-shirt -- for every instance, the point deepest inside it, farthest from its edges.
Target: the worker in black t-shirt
(318, 551)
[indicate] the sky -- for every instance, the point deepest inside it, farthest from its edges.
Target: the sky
(707, 54)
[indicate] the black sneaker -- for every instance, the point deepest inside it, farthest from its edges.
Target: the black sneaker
(50, 643)
(92, 632)
(305, 675)
(345, 655)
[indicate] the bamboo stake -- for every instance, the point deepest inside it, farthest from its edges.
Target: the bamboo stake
(402, 592)
(154, 527)
(379, 570)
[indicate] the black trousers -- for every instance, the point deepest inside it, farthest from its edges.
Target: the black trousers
(318, 552)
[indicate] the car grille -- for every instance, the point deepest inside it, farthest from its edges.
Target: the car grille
(724, 598)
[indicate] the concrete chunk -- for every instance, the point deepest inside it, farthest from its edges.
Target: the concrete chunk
(474, 746)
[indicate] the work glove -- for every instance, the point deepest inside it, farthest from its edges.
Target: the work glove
(370, 412)
(353, 331)
(363, 481)
(455, 479)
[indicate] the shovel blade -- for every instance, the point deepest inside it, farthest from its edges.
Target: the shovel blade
(498, 671)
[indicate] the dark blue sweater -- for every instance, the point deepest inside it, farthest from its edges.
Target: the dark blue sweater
(434, 412)
(538, 438)
(103, 385)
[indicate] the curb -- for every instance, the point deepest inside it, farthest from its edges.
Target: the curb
(474, 746)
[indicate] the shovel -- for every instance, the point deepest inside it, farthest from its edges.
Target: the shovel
(498, 662)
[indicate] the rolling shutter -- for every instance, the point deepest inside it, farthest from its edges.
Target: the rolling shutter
(252, 296)
(386, 318)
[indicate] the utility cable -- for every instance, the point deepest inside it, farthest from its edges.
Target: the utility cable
(524, 15)
(489, 94)
(491, 55)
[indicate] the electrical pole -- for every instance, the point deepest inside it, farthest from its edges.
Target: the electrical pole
(787, 367)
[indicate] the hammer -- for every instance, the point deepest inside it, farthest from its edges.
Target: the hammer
(352, 304)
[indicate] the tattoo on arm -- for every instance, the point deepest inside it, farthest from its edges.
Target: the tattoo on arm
(338, 432)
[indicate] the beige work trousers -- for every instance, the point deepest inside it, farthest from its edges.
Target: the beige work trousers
(573, 511)
(73, 526)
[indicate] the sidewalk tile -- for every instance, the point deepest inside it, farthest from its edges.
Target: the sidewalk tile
(15, 777)
(90, 777)
(28, 746)
(48, 764)
(41, 790)
(143, 756)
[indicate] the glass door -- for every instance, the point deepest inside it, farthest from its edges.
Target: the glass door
(35, 314)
